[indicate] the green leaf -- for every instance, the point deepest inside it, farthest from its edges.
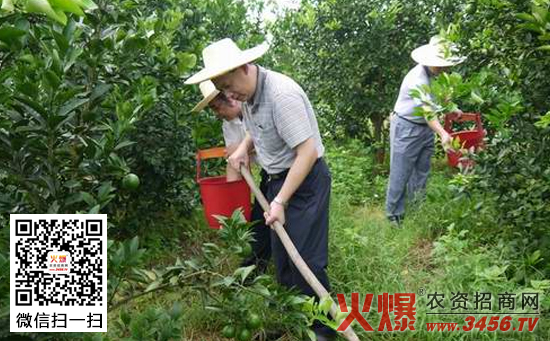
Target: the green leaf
(72, 184)
(7, 5)
(73, 199)
(88, 198)
(54, 208)
(99, 91)
(244, 272)
(10, 33)
(67, 6)
(23, 24)
(531, 27)
(56, 62)
(61, 41)
(31, 103)
(61, 16)
(541, 285)
(544, 48)
(476, 98)
(26, 129)
(297, 300)
(44, 7)
(94, 210)
(86, 4)
(50, 183)
(325, 304)
(73, 56)
(534, 258)
(526, 17)
(125, 317)
(27, 58)
(238, 217)
(72, 105)
(261, 289)
(135, 43)
(540, 14)
(52, 79)
(69, 29)
(308, 305)
(59, 124)
(544, 121)
(153, 286)
(134, 244)
(124, 144)
(226, 281)
(104, 190)
(340, 316)
(186, 61)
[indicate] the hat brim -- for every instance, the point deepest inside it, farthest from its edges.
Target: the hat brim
(205, 101)
(427, 56)
(246, 57)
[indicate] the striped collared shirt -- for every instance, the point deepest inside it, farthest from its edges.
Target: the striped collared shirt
(279, 117)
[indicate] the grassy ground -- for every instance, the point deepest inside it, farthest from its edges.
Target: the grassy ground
(440, 249)
(368, 256)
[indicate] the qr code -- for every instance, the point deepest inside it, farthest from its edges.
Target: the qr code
(58, 272)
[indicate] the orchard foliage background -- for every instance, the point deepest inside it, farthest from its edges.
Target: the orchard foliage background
(93, 91)
(356, 53)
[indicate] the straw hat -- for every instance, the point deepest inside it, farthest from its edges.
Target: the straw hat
(209, 92)
(438, 53)
(223, 56)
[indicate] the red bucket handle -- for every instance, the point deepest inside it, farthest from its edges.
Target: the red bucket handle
(205, 154)
(465, 117)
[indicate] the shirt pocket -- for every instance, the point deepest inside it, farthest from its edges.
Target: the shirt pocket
(267, 133)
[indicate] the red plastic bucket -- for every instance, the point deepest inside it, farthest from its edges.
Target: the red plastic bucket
(468, 138)
(220, 197)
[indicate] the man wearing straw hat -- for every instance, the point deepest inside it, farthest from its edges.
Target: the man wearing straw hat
(412, 136)
(229, 110)
(283, 130)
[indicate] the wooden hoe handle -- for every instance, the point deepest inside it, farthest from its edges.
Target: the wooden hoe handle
(294, 254)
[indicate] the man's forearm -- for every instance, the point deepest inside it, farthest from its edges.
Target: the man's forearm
(436, 126)
(232, 174)
(306, 155)
(247, 143)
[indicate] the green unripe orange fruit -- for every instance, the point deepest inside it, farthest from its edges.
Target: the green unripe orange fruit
(228, 331)
(244, 335)
(253, 321)
(130, 182)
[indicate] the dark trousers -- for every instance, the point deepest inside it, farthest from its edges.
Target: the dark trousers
(307, 221)
(261, 245)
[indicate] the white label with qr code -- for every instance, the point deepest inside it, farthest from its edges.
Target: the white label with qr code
(58, 273)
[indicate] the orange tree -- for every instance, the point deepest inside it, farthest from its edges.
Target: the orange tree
(514, 171)
(508, 82)
(85, 103)
(351, 56)
(87, 99)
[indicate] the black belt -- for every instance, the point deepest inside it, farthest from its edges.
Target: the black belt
(281, 175)
(275, 176)
(410, 121)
